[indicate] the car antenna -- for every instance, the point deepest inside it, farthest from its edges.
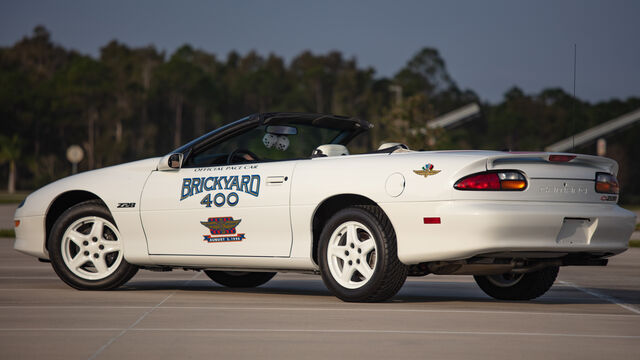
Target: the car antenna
(573, 104)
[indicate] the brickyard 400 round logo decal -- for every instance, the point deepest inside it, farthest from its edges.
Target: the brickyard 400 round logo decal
(223, 229)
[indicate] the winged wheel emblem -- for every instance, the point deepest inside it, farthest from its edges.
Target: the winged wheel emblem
(427, 170)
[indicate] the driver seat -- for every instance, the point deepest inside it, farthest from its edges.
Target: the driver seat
(330, 150)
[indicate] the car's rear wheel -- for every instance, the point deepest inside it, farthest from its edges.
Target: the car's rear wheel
(511, 286)
(358, 255)
(86, 249)
(239, 279)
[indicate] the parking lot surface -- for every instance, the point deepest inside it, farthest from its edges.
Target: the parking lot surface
(590, 313)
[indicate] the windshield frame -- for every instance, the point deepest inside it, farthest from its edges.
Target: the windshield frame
(350, 128)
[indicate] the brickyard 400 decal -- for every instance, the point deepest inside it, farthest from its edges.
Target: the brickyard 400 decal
(223, 229)
(249, 184)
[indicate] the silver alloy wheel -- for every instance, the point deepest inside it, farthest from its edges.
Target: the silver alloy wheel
(352, 254)
(91, 248)
(505, 280)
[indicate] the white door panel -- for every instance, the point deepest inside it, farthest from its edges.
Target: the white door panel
(237, 210)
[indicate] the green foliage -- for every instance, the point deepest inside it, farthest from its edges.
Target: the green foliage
(133, 103)
(9, 148)
(7, 233)
(16, 198)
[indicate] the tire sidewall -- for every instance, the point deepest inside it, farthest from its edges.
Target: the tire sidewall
(530, 286)
(55, 252)
(368, 220)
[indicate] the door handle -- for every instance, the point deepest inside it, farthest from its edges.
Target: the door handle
(276, 180)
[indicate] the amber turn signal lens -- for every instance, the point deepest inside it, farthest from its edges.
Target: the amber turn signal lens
(16, 223)
(513, 184)
(607, 188)
(607, 184)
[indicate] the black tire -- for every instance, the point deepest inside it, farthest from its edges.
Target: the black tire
(525, 287)
(388, 275)
(118, 274)
(240, 279)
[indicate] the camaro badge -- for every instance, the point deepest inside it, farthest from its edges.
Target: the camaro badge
(223, 226)
(426, 170)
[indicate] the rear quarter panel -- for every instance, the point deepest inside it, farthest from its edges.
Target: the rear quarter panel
(318, 179)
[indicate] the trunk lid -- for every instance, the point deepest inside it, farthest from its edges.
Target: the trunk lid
(552, 177)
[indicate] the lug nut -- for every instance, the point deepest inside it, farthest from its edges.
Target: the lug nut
(352, 246)
(358, 261)
(85, 243)
(95, 239)
(359, 251)
(96, 256)
(101, 247)
(86, 253)
(350, 262)
(346, 252)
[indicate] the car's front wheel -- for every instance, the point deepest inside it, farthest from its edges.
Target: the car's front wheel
(512, 286)
(358, 257)
(239, 279)
(86, 250)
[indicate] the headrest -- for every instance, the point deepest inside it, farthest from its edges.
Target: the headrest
(389, 145)
(330, 150)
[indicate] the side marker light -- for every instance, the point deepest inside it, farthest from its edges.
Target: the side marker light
(431, 220)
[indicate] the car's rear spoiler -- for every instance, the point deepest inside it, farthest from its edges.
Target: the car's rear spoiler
(604, 164)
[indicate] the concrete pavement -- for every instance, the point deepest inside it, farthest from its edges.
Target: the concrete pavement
(590, 313)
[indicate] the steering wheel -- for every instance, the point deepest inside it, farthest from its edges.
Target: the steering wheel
(234, 154)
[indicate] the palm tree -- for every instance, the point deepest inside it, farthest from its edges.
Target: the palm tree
(9, 153)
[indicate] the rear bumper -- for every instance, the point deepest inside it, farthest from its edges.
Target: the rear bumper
(30, 236)
(471, 228)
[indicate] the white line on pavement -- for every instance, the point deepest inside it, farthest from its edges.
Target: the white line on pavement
(308, 309)
(363, 331)
(604, 297)
(124, 331)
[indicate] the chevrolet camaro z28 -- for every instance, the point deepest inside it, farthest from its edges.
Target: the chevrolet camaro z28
(280, 192)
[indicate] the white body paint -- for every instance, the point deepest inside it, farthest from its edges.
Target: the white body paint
(163, 230)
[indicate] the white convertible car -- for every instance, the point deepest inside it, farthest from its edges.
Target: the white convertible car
(280, 192)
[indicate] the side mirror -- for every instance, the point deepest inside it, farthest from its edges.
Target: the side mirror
(171, 162)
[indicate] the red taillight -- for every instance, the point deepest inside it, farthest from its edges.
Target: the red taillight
(607, 184)
(479, 182)
(501, 180)
(561, 158)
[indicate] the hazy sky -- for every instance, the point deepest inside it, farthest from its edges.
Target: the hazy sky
(488, 46)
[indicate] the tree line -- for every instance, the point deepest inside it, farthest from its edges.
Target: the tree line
(133, 103)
